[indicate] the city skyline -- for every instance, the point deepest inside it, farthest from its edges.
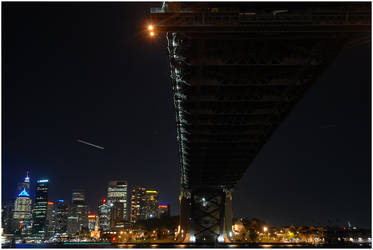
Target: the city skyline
(102, 80)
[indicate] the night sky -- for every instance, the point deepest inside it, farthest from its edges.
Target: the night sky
(87, 71)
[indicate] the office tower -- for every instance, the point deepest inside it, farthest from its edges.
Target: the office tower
(61, 215)
(104, 216)
(73, 226)
(164, 210)
(22, 213)
(40, 208)
(151, 204)
(79, 209)
(51, 220)
(7, 217)
(117, 193)
(116, 215)
(137, 204)
(91, 222)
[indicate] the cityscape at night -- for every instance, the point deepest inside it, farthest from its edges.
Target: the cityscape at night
(186, 124)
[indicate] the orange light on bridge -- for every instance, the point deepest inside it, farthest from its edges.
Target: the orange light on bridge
(151, 33)
(150, 27)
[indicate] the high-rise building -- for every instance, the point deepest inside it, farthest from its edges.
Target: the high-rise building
(62, 212)
(40, 208)
(79, 209)
(51, 219)
(117, 193)
(7, 217)
(104, 216)
(116, 215)
(164, 210)
(151, 204)
(22, 213)
(137, 204)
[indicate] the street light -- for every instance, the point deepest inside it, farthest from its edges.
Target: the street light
(265, 229)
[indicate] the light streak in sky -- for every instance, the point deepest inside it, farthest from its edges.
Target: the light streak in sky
(90, 144)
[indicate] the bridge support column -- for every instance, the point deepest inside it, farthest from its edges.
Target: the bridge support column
(205, 216)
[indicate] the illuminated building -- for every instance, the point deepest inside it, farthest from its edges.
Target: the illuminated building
(104, 216)
(22, 212)
(61, 215)
(25, 185)
(73, 226)
(7, 217)
(40, 208)
(117, 193)
(79, 209)
(116, 215)
(51, 223)
(164, 210)
(91, 222)
(137, 204)
(151, 204)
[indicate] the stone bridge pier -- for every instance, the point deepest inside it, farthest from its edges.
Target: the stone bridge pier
(205, 216)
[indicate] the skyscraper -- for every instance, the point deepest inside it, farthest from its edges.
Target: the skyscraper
(104, 216)
(151, 204)
(91, 222)
(137, 204)
(22, 212)
(117, 193)
(51, 220)
(61, 216)
(40, 208)
(79, 210)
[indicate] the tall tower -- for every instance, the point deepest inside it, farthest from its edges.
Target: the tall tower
(25, 184)
(117, 194)
(137, 204)
(61, 216)
(151, 204)
(79, 210)
(22, 212)
(40, 208)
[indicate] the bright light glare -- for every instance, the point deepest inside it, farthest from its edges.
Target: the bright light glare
(150, 27)
(221, 239)
(192, 239)
(152, 33)
(265, 229)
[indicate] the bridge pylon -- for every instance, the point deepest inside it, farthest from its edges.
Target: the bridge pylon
(205, 216)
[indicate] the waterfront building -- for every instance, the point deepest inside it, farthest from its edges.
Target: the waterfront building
(137, 204)
(79, 209)
(164, 210)
(61, 215)
(40, 208)
(117, 193)
(151, 204)
(104, 216)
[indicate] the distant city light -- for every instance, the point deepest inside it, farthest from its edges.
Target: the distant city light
(221, 239)
(150, 27)
(42, 181)
(265, 229)
(151, 33)
(50, 203)
(60, 200)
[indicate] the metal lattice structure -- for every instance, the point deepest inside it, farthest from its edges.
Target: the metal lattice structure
(237, 70)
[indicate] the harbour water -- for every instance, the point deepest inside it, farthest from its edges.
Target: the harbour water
(168, 245)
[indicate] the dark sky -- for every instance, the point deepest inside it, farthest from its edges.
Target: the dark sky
(86, 71)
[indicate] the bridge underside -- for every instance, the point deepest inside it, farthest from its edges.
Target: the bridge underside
(236, 72)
